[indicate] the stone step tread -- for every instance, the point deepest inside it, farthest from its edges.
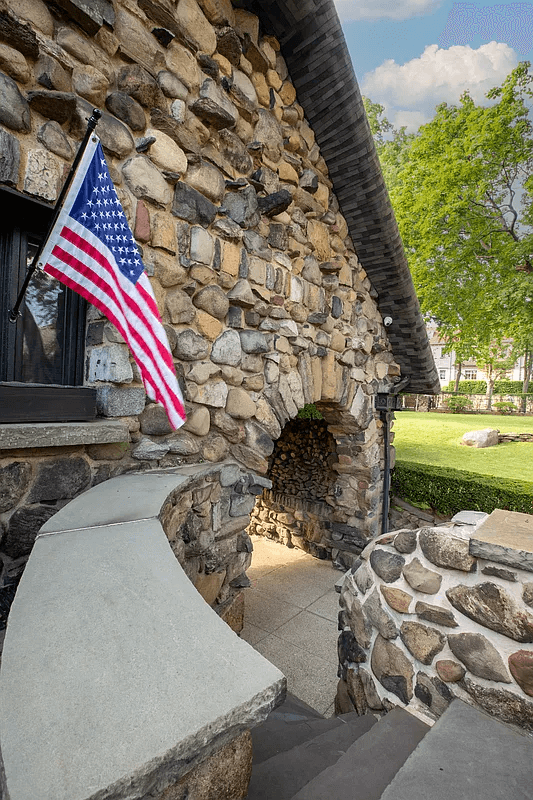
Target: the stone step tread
(282, 775)
(279, 732)
(370, 763)
(293, 705)
(467, 754)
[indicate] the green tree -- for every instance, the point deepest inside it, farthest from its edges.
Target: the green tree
(495, 360)
(462, 191)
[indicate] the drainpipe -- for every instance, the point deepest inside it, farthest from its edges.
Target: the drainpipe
(385, 419)
(386, 404)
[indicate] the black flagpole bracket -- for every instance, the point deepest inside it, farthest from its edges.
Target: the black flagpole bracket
(14, 313)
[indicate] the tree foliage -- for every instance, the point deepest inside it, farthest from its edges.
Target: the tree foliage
(462, 192)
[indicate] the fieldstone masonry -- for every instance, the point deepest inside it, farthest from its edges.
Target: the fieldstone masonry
(438, 613)
(264, 300)
(324, 497)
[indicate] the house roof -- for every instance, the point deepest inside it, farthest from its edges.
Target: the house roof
(313, 45)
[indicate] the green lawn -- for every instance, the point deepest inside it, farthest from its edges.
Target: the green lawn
(428, 438)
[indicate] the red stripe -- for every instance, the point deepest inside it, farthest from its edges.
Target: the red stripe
(98, 281)
(95, 254)
(120, 299)
(147, 379)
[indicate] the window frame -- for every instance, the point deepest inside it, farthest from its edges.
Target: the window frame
(25, 217)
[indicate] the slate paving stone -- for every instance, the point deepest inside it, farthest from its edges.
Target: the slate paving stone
(366, 767)
(292, 595)
(439, 761)
(281, 776)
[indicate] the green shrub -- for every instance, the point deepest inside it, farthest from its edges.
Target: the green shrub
(467, 387)
(458, 404)
(503, 386)
(449, 490)
(504, 407)
(506, 386)
(309, 411)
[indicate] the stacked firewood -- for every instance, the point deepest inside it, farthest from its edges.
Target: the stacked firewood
(301, 461)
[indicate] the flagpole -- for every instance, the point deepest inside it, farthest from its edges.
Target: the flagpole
(91, 125)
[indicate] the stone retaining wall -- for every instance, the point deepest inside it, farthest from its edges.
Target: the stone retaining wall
(514, 437)
(263, 298)
(205, 522)
(404, 515)
(437, 613)
(124, 645)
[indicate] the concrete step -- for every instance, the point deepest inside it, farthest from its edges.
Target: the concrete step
(367, 767)
(293, 706)
(283, 775)
(290, 724)
(467, 755)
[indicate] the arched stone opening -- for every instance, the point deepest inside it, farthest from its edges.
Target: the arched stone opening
(326, 484)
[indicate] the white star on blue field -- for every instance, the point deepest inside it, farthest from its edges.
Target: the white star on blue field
(98, 209)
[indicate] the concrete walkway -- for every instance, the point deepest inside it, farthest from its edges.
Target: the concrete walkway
(291, 614)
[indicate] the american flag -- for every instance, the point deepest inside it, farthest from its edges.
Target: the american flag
(91, 250)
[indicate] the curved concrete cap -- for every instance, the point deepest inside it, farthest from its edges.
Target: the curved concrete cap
(116, 675)
(314, 47)
(125, 498)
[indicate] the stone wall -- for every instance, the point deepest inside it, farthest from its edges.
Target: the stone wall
(263, 298)
(323, 497)
(437, 613)
(205, 522)
(404, 515)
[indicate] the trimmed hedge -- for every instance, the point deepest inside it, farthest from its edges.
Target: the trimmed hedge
(449, 491)
(503, 386)
(467, 387)
(506, 386)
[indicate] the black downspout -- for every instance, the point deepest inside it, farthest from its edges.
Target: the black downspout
(386, 404)
(385, 419)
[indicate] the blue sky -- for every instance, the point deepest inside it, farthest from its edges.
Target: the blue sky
(410, 55)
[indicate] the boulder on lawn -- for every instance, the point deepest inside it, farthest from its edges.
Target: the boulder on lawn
(488, 437)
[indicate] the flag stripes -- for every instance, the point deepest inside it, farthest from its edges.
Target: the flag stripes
(92, 251)
(71, 268)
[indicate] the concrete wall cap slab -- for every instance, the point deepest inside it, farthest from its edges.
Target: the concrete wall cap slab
(124, 499)
(57, 434)
(116, 676)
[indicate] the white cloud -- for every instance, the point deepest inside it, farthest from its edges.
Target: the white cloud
(411, 120)
(384, 9)
(412, 90)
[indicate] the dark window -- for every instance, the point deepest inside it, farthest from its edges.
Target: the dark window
(42, 354)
